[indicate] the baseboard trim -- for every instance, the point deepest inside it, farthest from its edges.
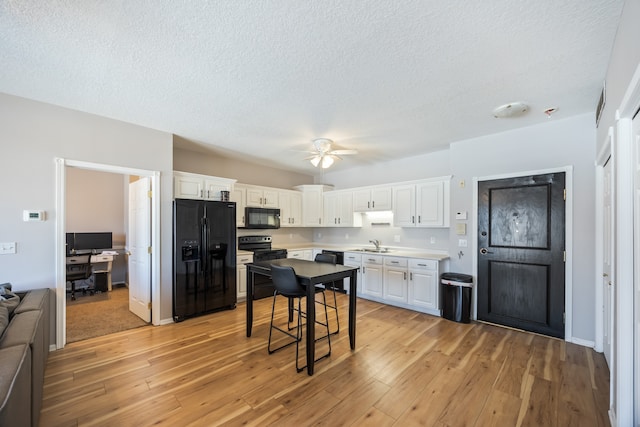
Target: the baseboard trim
(166, 321)
(584, 343)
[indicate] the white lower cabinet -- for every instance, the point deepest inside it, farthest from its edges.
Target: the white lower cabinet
(372, 276)
(411, 283)
(305, 254)
(395, 279)
(423, 284)
(241, 275)
(353, 260)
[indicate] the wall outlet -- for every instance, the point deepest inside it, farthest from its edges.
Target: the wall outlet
(432, 240)
(396, 238)
(462, 243)
(319, 235)
(346, 236)
(7, 248)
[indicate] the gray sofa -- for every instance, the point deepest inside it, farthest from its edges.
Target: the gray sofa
(24, 349)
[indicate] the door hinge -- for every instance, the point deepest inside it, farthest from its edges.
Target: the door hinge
(149, 193)
(564, 195)
(564, 318)
(564, 256)
(149, 305)
(149, 249)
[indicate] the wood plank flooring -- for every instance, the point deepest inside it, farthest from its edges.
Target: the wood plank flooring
(408, 369)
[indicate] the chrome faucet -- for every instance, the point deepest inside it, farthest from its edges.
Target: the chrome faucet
(376, 242)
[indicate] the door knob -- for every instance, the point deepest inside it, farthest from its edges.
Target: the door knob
(484, 251)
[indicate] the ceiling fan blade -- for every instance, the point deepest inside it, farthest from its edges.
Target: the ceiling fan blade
(343, 152)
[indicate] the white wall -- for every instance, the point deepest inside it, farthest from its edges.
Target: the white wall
(625, 58)
(556, 144)
(33, 135)
(96, 203)
(243, 172)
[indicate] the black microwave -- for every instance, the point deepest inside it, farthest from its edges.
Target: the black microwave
(261, 218)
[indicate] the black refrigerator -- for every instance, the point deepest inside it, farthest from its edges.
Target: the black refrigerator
(204, 257)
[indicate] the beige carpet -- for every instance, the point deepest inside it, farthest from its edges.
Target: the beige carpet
(100, 314)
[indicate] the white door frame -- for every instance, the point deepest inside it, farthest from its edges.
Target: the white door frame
(60, 253)
(601, 160)
(568, 267)
(621, 410)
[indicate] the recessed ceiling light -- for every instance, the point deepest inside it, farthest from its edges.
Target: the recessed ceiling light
(513, 109)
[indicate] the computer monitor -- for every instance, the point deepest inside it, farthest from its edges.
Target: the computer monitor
(89, 241)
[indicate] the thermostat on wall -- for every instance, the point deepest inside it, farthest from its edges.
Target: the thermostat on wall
(33, 215)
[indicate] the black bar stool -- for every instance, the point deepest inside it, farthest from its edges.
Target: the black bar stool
(330, 259)
(286, 284)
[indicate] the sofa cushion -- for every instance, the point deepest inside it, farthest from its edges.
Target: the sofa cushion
(15, 386)
(4, 319)
(10, 301)
(35, 299)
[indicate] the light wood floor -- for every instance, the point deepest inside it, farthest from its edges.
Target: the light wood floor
(408, 369)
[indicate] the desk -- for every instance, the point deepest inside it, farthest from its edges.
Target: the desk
(103, 259)
(309, 274)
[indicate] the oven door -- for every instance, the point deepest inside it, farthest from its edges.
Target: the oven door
(261, 218)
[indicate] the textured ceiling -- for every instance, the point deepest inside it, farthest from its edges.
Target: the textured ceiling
(262, 78)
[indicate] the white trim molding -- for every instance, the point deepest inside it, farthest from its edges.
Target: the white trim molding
(60, 171)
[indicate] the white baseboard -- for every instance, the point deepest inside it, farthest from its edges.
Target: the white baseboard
(166, 321)
(584, 343)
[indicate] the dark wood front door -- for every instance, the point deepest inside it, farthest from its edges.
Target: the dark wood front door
(521, 243)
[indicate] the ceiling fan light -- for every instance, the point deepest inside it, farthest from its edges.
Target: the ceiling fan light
(315, 161)
(327, 161)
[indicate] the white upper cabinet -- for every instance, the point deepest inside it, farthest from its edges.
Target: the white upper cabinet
(422, 204)
(372, 199)
(338, 210)
(239, 195)
(200, 187)
(312, 204)
(290, 203)
(260, 197)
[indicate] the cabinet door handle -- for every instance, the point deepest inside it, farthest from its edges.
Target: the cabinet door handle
(373, 204)
(394, 262)
(413, 219)
(368, 205)
(410, 276)
(419, 219)
(405, 276)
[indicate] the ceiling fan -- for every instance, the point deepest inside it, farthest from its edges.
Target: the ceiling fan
(323, 155)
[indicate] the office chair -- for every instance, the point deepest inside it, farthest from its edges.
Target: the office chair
(287, 285)
(330, 259)
(78, 268)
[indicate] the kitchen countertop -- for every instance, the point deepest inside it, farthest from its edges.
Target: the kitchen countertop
(393, 251)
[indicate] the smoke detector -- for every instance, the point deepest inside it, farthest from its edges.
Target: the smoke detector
(513, 109)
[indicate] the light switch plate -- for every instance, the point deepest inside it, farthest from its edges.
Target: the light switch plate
(462, 243)
(7, 248)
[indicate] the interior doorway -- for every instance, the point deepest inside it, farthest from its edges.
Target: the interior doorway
(61, 202)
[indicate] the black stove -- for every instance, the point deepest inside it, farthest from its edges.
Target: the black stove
(262, 251)
(261, 248)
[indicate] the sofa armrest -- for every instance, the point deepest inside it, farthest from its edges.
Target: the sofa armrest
(15, 386)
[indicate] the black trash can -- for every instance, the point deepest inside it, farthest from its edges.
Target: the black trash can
(456, 291)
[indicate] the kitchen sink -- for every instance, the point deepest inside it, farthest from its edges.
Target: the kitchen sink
(372, 250)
